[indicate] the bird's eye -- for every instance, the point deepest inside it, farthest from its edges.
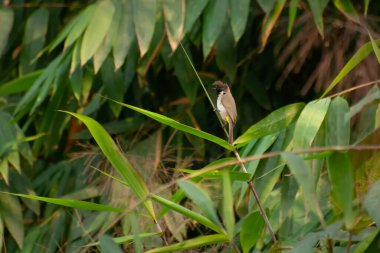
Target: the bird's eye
(224, 93)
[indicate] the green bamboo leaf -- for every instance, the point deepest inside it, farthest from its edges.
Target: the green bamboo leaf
(96, 30)
(105, 47)
(346, 7)
(239, 17)
(340, 174)
(108, 245)
(273, 123)
(71, 26)
(317, 10)
(251, 230)
(338, 123)
(34, 39)
(358, 57)
(309, 122)
(372, 202)
(194, 9)
(6, 21)
(305, 178)
(188, 213)
(269, 22)
(375, 48)
(201, 199)
(364, 244)
(174, 14)
(118, 160)
(20, 84)
(266, 5)
(144, 16)
(11, 215)
(366, 4)
(177, 125)
(124, 38)
(192, 243)
(213, 22)
(125, 239)
(292, 15)
(228, 205)
(69, 203)
(79, 26)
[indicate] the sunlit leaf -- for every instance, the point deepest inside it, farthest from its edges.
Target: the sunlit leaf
(340, 174)
(144, 16)
(213, 22)
(269, 22)
(364, 244)
(346, 7)
(309, 122)
(97, 29)
(375, 48)
(11, 215)
(228, 205)
(273, 123)
(20, 84)
(69, 203)
(338, 123)
(6, 21)
(175, 124)
(366, 4)
(239, 17)
(118, 160)
(125, 239)
(358, 57)
(292, 15)
(192, 243)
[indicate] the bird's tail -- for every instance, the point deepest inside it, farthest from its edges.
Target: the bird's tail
(230, 133)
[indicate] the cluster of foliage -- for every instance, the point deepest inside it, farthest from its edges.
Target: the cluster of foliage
(159, 183)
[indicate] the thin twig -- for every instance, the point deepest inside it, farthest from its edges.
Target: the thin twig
(354, 88)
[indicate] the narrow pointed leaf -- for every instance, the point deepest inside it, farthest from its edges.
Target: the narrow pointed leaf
(188, 213)
(20, 84)
(317, 11)
(194, 9)
(125, 239)
(69, 203)
(358, 57)
(97, 29)
(239, 17)
(251, 230)
(309, 122)
(213, 22)
(338, 123)
(340, 174)
(177, 125)
(228, 205)
(6, 21)
(192, 243)
(11, 215)
(292, 15)
(269, 22)
(118, 160)
(346, 7)
(144, 16)
(273, 123)
(108, 245)
(174, 13)
(375, 48)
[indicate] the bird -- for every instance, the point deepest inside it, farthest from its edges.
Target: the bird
(226, 107)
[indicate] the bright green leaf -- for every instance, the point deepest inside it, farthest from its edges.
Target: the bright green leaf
(192, 243)
(338, 123)
(177, 125)
(292, 15)
(375, 48)
(228, 205)
(309, 122)
(269, 22)
(97, 29)
(125, 239)
(20, 84)
(273, 123)
(69, 203)
(213, 22)
(346, 7)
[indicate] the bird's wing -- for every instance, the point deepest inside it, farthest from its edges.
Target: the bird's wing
(229, 103)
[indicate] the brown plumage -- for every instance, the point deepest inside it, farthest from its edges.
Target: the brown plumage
(226, 107)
